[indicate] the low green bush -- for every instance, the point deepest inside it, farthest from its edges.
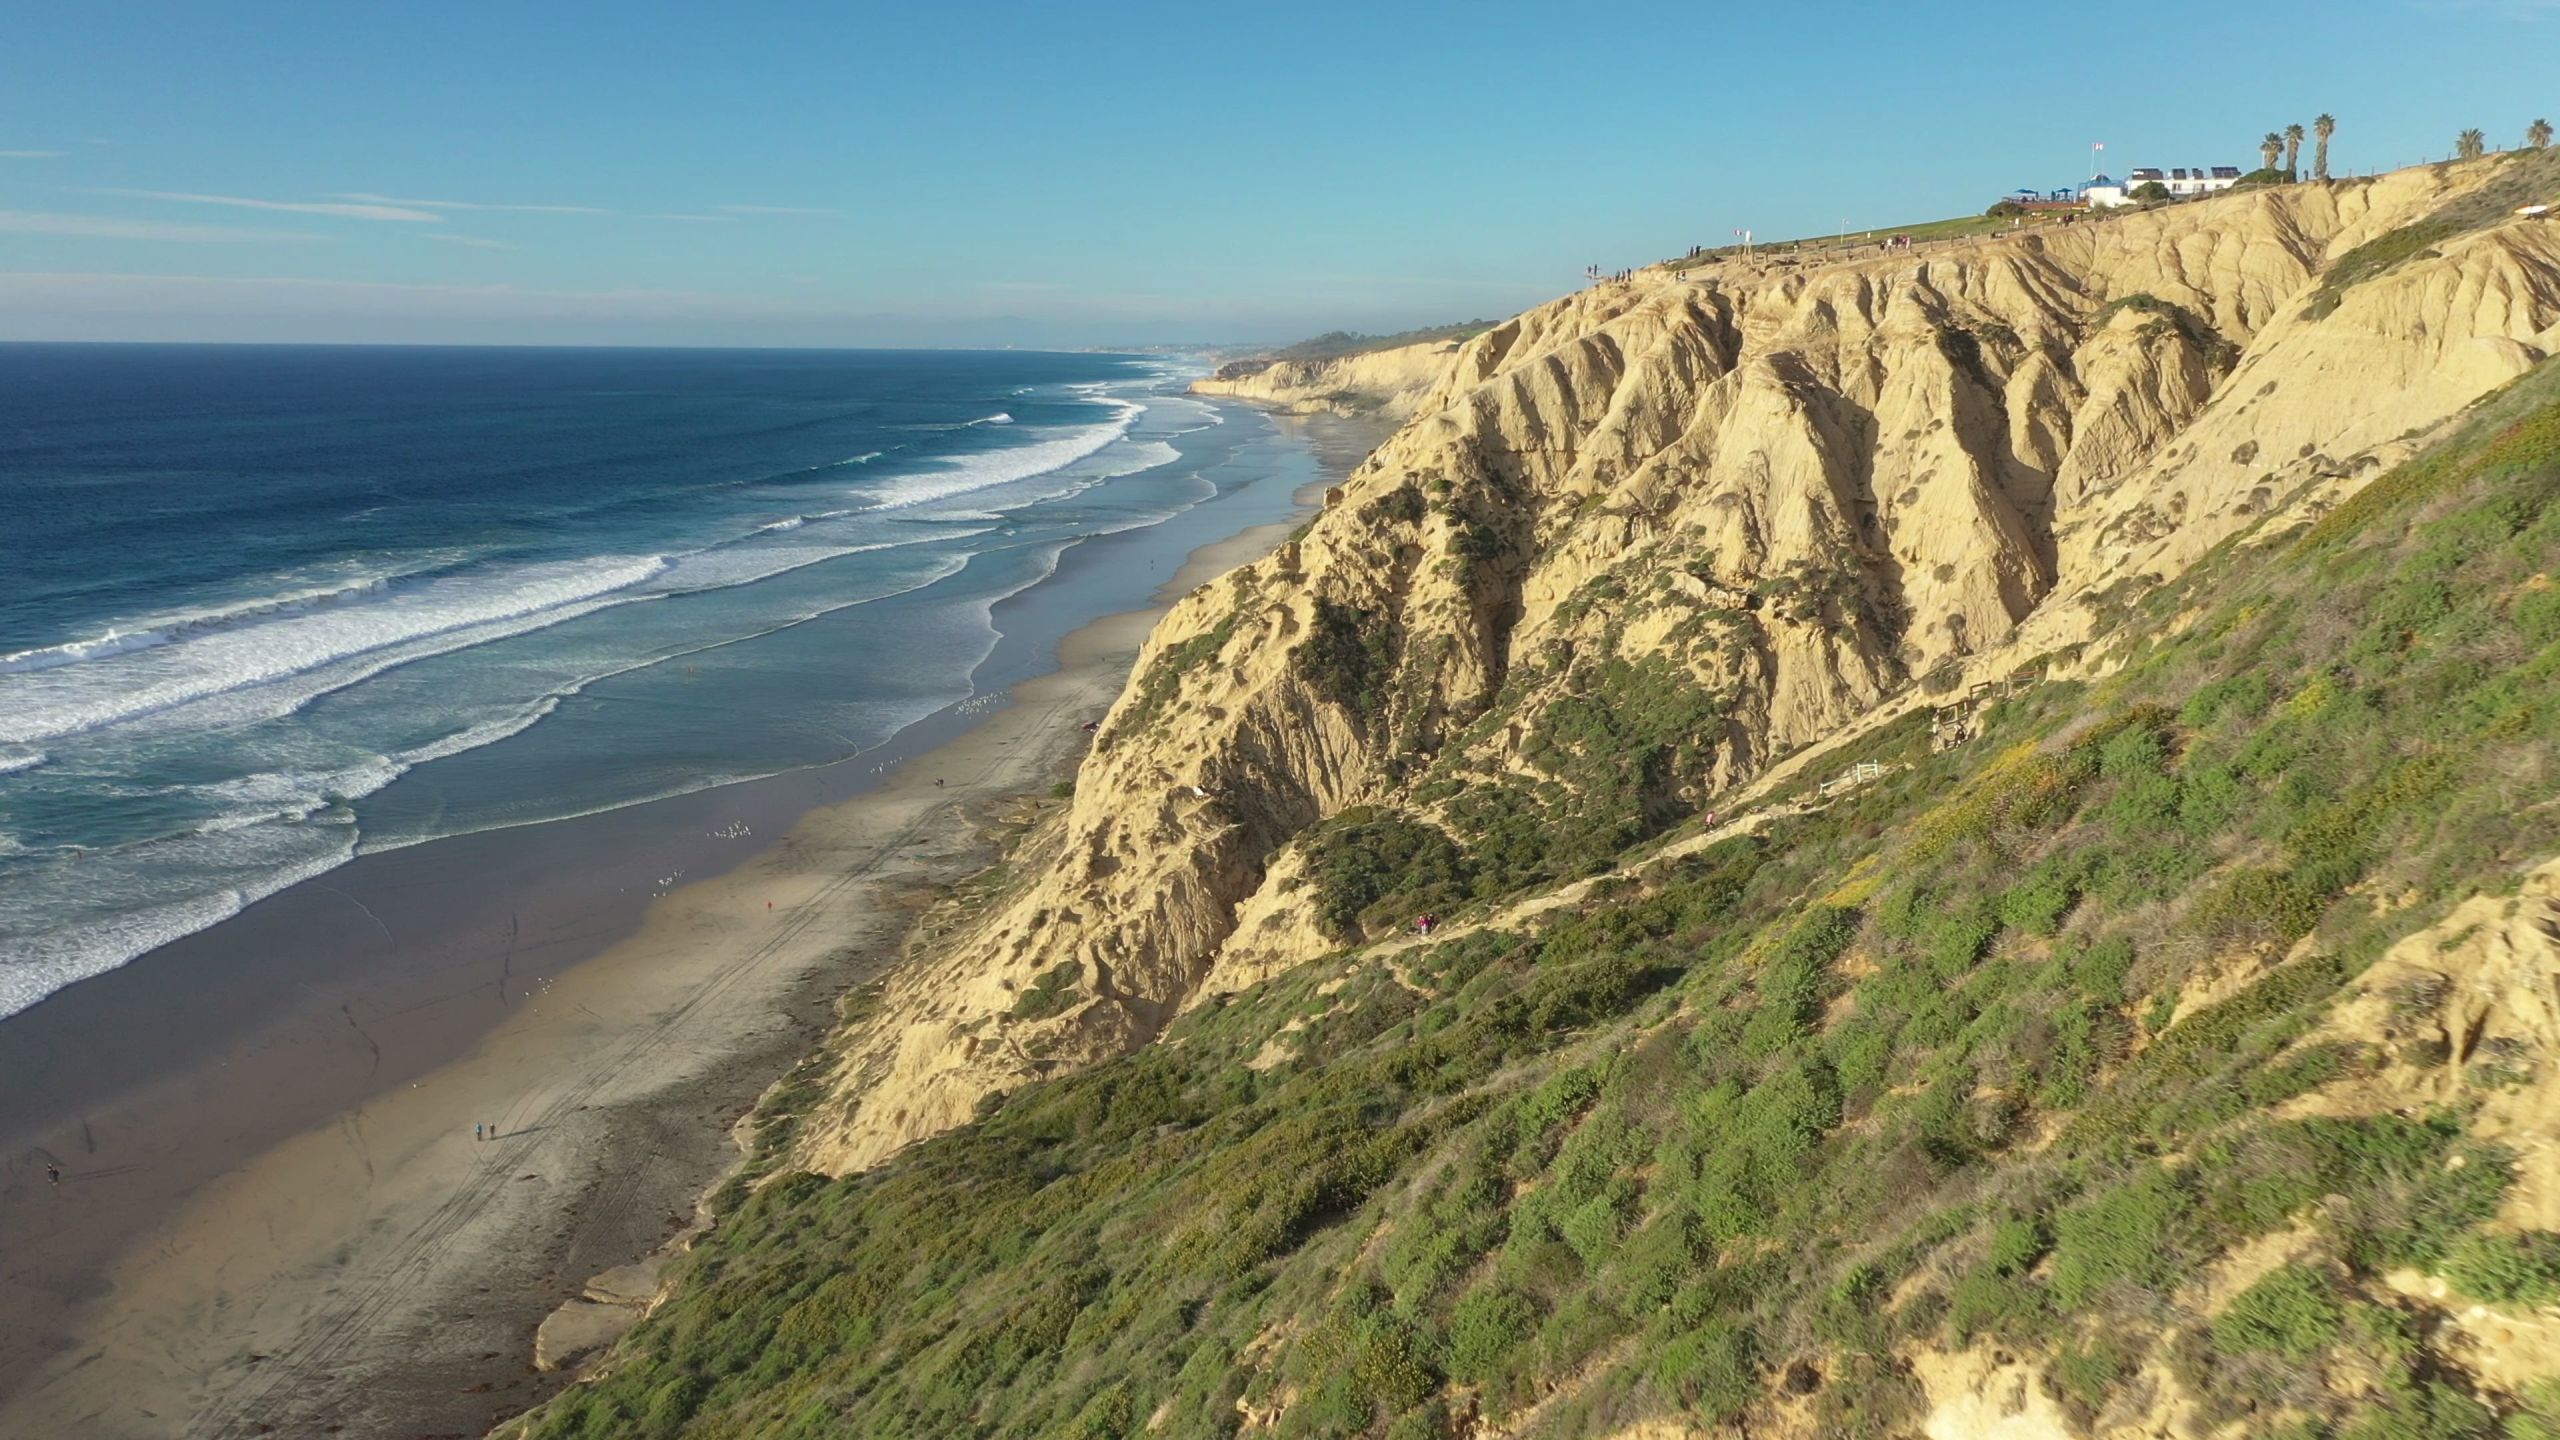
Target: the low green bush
(2290, 1312)
(2510, 1269)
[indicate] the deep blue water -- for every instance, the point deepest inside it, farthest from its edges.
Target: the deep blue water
(261, 608)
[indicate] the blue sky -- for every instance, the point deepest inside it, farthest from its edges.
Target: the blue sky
(1100, 173)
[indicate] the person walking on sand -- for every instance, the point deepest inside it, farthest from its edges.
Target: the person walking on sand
(479, 1132)
(53, 1175)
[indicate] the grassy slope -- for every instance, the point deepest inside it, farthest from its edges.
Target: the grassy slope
(1897, 1072)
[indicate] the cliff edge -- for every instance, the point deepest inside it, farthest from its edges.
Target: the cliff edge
(1392, 382)
(1779, 500)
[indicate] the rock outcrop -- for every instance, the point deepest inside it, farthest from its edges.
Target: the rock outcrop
(1392, 382)
(1778, 494)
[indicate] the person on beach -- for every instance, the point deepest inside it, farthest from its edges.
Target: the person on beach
(479, 1132)
(53, 1174)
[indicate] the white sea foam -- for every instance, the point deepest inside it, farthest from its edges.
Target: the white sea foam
(67, 699)
(157, 630)
(1135, 458)
(269, 657)
(253, 863)
(998, 418)
(724, 567)
(962, 474)
(950, 566)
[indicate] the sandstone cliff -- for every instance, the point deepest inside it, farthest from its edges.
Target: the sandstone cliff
(1390, 382)
(1773, 497)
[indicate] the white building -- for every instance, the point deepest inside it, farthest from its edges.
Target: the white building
(2183, 182)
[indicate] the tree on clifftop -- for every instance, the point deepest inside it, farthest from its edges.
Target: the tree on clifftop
(2538, 134)
(2269, 149)
(2470, 145)
(2292, 151)
(2322, 128)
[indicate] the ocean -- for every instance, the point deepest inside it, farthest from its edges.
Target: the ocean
(263, 609)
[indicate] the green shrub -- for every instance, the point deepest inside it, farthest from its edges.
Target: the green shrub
(1710, 1370)
(2372, 258)
(2290, 1312)
(1053, 991)
(2259, 905)
(1486, 1333)
(1159, 683)
(2509, 1269)
(2089, 1372)
(2016, 1244)
(2125, 1235)
(2538, 1418)
(1348, 657)
(1403, 505)
(1987, 1302)
(1372, 866)
(2038, 903)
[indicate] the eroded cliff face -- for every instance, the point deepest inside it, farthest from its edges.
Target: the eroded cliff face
(1764, 500)
(1392, 382)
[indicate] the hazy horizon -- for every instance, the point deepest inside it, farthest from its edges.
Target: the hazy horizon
(876, 177)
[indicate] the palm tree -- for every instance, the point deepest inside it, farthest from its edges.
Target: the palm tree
(2321, 129)
(2538, 134)
(2292, 151)
(2470, 145)
(2269, 148)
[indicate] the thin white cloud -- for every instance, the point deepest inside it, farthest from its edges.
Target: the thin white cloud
(30, 154)
(474, 241)
(174, 295)
(297, 207)
(681, 215)
(369, 198)
(771, 210)
(104, 227)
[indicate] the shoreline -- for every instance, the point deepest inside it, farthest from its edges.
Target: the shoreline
(381, 1270)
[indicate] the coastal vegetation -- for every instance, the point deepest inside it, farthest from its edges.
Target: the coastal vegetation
(2038, 1044)
(1336, 344)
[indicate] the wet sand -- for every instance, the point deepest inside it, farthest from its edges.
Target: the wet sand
(274, 1212)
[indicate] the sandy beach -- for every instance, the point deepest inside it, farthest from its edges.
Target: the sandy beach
(378, 1270)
